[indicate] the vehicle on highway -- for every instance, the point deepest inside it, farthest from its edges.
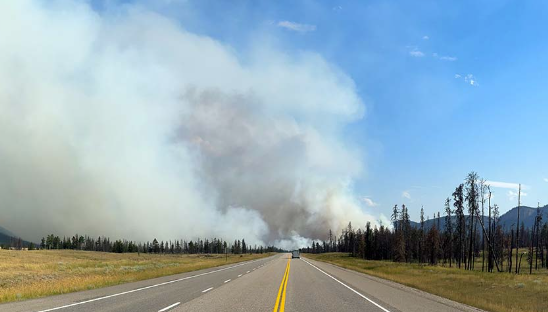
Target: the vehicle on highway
(295, 254)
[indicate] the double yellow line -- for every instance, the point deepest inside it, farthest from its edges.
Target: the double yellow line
(280, 302)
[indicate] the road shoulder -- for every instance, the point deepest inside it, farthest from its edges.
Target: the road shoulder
(401, 297)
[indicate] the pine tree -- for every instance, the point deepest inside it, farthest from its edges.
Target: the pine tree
(460, 232)
(448, 232)
(433, 245)
(472, 202)
(330, 241)
(155, 246)
(421, 236)
(394, 218)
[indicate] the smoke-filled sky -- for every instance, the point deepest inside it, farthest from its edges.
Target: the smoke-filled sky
(124, 123)
(270, 120)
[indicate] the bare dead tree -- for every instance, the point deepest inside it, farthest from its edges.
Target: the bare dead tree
(482, 193)
(491, 254)
(517, 230)
(530, 256)
(510, 249)
(480, 221)
(538, 221)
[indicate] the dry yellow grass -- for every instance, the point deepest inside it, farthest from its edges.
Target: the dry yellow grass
(31, 274)
(498, 292)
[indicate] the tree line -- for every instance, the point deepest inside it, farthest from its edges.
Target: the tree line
(17, 243)
(471, 236)
(198, 246)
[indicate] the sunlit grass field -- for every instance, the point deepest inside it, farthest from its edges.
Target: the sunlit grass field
(31, 274)
(500, 292)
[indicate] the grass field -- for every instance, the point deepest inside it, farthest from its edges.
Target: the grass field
(31, 274)
(500, 292)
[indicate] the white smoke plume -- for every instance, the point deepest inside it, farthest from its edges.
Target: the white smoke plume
(130, 126)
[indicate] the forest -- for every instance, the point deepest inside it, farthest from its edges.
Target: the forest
(468, 235)
(198, 246)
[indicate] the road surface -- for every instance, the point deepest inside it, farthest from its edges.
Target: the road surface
(277, 283)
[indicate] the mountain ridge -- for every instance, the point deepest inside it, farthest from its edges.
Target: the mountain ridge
(527, 216)
(6, 238)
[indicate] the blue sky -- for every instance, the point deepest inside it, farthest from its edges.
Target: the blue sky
(449, 86)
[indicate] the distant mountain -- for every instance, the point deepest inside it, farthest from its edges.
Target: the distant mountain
(5, 231)
(527, 216)
(7, 236)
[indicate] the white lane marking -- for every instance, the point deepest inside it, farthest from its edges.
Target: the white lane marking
(171, 306)
(148, 287)
(227, 281)
(247, 272)
(239, 275)
(356, 292)
(254, 269)
(206, 290)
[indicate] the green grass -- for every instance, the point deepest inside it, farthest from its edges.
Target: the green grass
(499, 292)
(32, 274)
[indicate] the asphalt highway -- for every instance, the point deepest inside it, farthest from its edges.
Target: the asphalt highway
(277, 283)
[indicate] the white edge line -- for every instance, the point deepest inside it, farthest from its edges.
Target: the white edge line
(206, 290)
(171, 306)
(356, 292)
(147, 287)
(239, 275)
(227, 281)
(247, 272)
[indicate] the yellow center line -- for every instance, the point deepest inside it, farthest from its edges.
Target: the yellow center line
(282, 307)
(281, 291)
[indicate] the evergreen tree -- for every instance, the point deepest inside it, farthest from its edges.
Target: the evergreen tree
(472, 203)
(421, 236)
(155, 246)
(458, 203)
(448, 244)
(433, 245)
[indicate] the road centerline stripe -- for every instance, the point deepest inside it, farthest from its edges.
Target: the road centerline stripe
(282, 306)
(350, 288)
(281, 291)
(171, 306)
(206, 290)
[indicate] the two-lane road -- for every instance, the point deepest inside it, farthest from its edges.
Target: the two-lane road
(277, 283)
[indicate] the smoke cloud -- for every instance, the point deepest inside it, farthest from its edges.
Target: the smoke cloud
(128, 125)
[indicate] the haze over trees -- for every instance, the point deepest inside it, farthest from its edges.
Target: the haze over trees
(456, 239)
(177, 246)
